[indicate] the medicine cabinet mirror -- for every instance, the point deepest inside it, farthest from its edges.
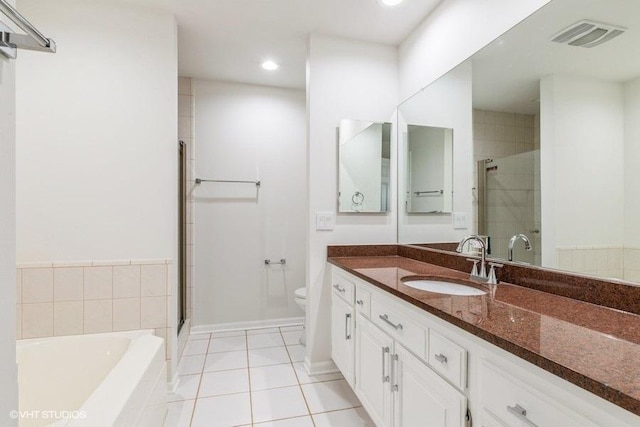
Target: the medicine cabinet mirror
(429, 169)
(364, 153)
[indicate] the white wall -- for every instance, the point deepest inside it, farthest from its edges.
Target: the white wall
(631, 162)
(454, 31)
(445, 103)
(96, 134)
(585, 116)
(97, 151)
(8, 368)
(243, 132)
(345, 80)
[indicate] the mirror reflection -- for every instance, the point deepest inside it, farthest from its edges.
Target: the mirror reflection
(556, 140)
(442, 109)
(364, 152)
(429, 169)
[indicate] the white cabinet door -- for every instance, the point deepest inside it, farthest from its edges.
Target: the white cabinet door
(342, 339)
(373, 371)
(423, 399)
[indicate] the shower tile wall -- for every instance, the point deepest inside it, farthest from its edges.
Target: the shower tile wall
(498, 135)
(86, 297)
(631, 264)
(185, 133)
(617, 262)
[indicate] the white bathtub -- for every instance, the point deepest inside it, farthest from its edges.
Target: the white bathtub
(113, 379)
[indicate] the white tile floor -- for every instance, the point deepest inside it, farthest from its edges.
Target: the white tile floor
(257, 378)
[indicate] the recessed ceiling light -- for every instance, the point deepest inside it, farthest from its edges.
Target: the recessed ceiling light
(270, 65)
(390, 2)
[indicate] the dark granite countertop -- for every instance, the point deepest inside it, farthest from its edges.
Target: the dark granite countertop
(593, 346)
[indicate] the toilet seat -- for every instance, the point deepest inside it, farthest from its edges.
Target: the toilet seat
(301, 293)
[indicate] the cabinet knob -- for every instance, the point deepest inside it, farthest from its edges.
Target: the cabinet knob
(360, 302)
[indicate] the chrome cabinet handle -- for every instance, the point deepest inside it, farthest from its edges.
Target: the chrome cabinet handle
(385, 318)
(338, 288)
(441, 358)
(347, 335)
(394, 372)
(521, 413)
(360, 302)
(385, 377)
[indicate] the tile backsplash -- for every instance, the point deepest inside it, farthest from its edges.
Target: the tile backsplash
(86, 297)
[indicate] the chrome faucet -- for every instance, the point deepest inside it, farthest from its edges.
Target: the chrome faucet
(482, 275)
(476, 242)
(527, 244)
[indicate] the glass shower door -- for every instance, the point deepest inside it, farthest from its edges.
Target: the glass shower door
(509, 204)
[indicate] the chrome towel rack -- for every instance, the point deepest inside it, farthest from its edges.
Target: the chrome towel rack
(11, 41)
(417, 193)
(269, 262)
(199, 180)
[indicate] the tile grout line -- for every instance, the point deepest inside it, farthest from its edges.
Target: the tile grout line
(204, 362)
(298, 380)
(246, 337)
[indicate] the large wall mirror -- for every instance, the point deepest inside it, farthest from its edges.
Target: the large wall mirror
(556, 139)
(364, 153)
(434, 151)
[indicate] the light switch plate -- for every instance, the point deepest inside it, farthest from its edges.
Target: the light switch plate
(325, 221)
(459, 220)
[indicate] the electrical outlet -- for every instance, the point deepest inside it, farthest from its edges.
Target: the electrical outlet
(459, 220)
(325, 221)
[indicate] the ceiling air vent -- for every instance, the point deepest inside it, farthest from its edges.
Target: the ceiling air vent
(588, 34)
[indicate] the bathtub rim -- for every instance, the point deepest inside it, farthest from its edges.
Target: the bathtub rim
(110, 403)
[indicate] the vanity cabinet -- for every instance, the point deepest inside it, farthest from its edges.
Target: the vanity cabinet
(397, 388)
(411, 368)
(342, 325)
(392, 378)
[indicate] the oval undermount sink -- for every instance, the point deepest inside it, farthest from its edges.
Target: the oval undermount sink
(441, 287)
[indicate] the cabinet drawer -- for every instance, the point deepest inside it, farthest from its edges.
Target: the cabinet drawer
(363, 302)
(448, 359)
(392, 320)
(487, 419)
(513, 402)
(343, 287)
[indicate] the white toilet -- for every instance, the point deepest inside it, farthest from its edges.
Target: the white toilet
(301, 300)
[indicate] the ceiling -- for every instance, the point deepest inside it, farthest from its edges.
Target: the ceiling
(229, 39)
(506, 73)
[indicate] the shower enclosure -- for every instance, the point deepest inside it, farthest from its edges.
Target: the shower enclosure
(182, 234)
(509, 203)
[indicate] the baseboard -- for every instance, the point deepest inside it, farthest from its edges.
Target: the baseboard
(320, 368)
(254, 324)
(172, 384)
